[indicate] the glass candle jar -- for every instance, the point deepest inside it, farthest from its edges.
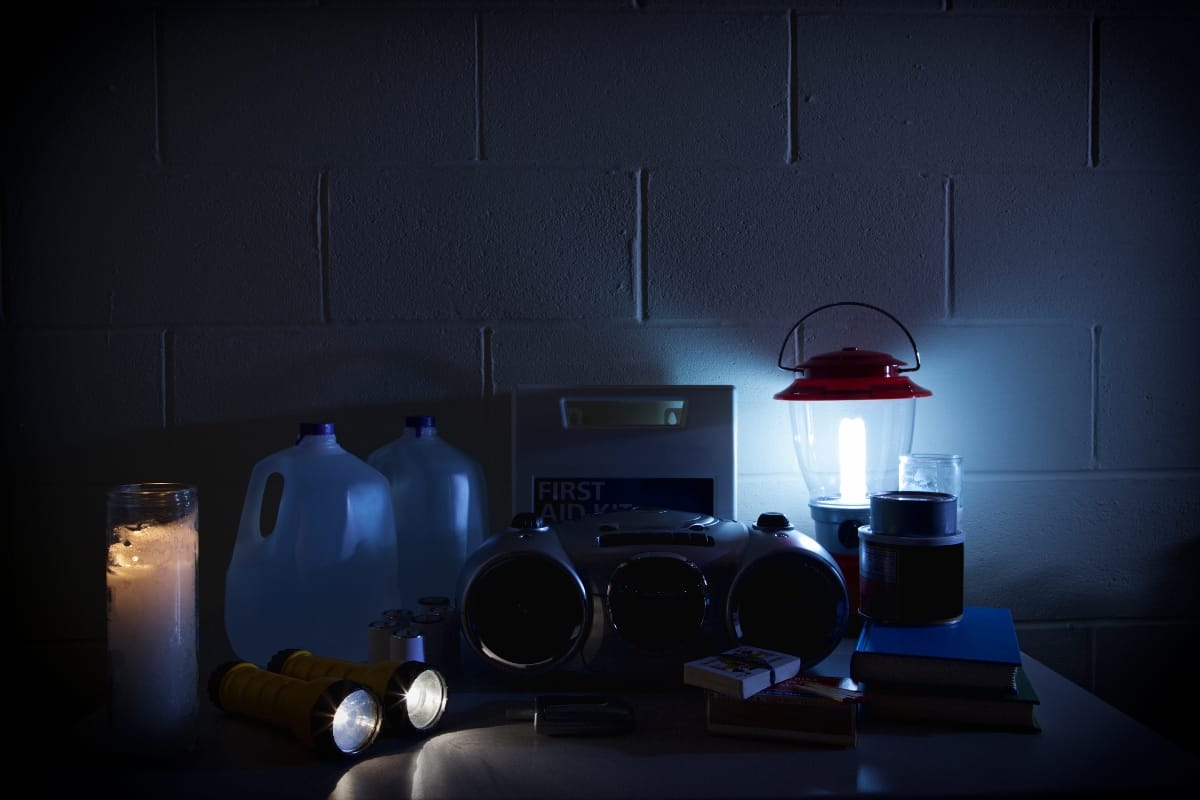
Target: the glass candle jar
(933, 472)
(153, 624)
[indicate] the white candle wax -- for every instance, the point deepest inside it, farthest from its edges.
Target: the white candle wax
(152, 636)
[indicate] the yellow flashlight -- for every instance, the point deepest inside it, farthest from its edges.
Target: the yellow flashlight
(334, 715)
(414, 694)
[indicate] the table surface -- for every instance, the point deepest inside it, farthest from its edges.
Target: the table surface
(1086, 747)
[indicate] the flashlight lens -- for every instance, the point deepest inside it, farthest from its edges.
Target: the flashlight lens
(426, 699)
(356, 721)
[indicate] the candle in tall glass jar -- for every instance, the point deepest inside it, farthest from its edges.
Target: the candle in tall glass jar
(153, 624)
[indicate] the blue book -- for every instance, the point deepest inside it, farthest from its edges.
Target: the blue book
(978, 652)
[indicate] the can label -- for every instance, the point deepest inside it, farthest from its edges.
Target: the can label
(910, 585)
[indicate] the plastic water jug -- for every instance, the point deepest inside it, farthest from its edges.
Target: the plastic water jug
(440, 501)
(316, 578)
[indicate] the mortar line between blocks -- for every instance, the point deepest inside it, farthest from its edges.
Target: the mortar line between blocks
(478, 87)
(948, 244)
(322, 226)
(1094, 95)
(640, 278)
(167, 360)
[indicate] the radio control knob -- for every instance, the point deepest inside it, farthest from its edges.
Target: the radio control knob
(773, 520)
(527, 521)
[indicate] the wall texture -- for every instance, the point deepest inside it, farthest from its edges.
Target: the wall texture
(220, 219)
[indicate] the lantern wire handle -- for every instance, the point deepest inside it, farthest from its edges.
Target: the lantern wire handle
(788, 336)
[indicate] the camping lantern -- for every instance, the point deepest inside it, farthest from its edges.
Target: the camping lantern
(852, 415)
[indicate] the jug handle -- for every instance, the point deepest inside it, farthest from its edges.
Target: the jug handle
(263, 494)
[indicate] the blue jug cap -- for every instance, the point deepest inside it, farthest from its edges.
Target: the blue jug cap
(316, 428)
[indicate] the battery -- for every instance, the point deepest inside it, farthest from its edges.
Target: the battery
(407, 644)
(434, 604)
(441, 640)
(379, 635)
(581, 715)
(401, 615)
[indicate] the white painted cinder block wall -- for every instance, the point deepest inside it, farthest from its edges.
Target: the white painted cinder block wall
(221, 219)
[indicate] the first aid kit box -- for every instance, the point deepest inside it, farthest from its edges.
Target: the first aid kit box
(580, 450)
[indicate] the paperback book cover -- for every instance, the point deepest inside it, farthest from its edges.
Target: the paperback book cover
(1003, 710)
(741, 671)
(979, 651)
(806, 708)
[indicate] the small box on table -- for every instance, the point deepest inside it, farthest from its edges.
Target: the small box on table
(740, 672)
(806, 708)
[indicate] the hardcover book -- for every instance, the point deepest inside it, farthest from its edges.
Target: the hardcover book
(806, 708)
(979, 651)
(741, 671)
(1003, 710)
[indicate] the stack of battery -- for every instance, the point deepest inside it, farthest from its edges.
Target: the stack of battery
(428, 634)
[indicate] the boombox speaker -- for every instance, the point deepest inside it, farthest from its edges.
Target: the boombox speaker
(638, 592)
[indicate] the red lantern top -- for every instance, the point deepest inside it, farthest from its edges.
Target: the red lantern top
(852, 374)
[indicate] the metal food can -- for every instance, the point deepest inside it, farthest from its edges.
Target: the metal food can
(911, 559)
